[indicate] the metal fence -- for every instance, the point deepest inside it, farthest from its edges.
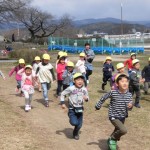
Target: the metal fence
(99, 45)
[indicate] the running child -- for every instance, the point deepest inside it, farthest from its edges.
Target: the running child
(128, 62)
(120, 69)
(68, 75)
(60, 53)
(18, 77)
(108, 68)
(146, 75)
(135, 81)
(120, 103)
(36, 62)
(80, 65)
(61, 65)
(45, 73)
(27, 85)
(77, 95)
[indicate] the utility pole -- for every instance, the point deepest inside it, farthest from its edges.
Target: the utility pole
(121, 18)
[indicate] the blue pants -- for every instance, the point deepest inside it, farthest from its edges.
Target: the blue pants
(18, 84)
(45, 87)
(76, 119)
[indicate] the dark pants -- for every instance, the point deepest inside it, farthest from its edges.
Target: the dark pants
(88, 73)
(135, 89)
(119, 130)
(59, 87)
(106, 79)
(76, 119)
(65, 86)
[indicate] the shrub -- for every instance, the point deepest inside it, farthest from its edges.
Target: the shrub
(27, 54)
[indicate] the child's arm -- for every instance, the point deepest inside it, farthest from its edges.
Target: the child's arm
(12, 71)
(65, 74)
(2, 75)
(102, 100)
(53, 74)
(105, 68)
(134, 78)
(113, 69)
(21, 71)
(126, 62)
(86, 96)
(62, 97)
(143, 71)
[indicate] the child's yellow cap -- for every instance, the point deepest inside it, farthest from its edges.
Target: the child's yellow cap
(119, 66)
(135, 61)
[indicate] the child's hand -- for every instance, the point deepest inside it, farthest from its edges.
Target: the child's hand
(113, 87)
(85, 98)
(130, 105)
(63, 106)
(109, 69)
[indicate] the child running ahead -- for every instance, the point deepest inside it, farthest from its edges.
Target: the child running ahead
(120, 102)
(77, 95)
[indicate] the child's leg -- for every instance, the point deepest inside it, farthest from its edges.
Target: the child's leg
(75, 120)
(138, 96)
(18, 84)
(120, 129)
(105, 79)
(146, 86)
(30, 99)
(59, 86)
(45, 91)
(65, 86)
(26, 94)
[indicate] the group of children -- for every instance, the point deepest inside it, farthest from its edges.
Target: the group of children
(136, 76)
(73, 80)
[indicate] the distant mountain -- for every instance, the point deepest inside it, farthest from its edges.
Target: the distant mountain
(108, 20)
(112, 28)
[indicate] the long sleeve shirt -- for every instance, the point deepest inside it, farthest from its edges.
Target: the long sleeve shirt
(135, 77)
(108, 69)
(76, 95)
(129, 63)
(118, 104)
(60, 69)
(146, 73)
(45, 72)
(80, 65)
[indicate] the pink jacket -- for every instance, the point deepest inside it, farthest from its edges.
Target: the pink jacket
(16, 69)
(60, 69)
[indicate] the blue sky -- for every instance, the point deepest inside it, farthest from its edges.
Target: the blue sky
(134, 10)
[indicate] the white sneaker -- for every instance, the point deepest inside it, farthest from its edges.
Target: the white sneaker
(87, 82)
(27, 108)
(30, 107)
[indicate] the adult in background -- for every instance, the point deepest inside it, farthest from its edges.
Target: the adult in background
(89, 59)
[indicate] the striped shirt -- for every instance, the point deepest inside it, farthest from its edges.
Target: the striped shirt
(118, 104)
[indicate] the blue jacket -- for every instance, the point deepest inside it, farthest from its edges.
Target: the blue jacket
(108, 69)
(146, 73)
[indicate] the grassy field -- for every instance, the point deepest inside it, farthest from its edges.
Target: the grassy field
(39, 128)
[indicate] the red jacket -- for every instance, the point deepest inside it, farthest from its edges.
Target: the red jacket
(129, 63)
(60, 70)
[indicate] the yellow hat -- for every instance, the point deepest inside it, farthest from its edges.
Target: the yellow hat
(46, 56)
(28, 66)
(119, 66)
(82, 55)
(135, 61)
(21, 61)
(65, 54)
(77, 75)
(108, 58)
(149, 59)
(118, 75)
(70, 64)
(133, 54)
(37, 58)
(60, 53)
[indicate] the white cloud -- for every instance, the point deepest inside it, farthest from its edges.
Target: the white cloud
(82, 9)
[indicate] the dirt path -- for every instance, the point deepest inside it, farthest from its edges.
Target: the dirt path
(48, 128)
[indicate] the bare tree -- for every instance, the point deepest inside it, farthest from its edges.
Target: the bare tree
(39, 23)
(8, 6)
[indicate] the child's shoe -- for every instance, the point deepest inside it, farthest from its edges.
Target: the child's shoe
(87, 81)
(137, 105)
(30, 107)
(75, 135)
(27, 108)
(103, 87)
(47, 104)
(112, 144)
